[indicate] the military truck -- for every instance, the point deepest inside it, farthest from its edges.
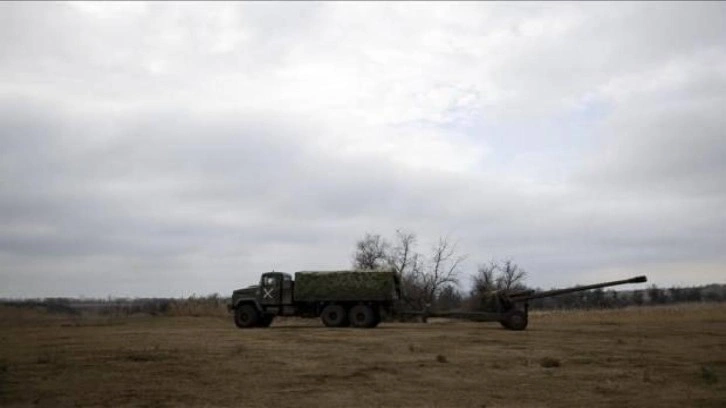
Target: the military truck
(339, 298)
(360, 298)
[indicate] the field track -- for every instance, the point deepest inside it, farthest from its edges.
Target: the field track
(647, 357)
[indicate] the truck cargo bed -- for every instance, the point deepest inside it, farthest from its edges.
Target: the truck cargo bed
(344, 286)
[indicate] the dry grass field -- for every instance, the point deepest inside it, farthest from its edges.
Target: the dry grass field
(648, 357)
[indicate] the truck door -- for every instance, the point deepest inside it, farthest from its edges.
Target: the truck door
(271, 289)
(287, 287)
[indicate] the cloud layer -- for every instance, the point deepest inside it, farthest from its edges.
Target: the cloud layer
(154, 149)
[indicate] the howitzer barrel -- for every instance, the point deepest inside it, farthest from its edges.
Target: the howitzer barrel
(520, 297)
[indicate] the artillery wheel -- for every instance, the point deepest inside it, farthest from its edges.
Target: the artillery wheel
(363, 316)
(246, 316)
(266, 320)
(334, 316)
(516, 320)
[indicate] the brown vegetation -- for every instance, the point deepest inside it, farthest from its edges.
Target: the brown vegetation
(655, 356)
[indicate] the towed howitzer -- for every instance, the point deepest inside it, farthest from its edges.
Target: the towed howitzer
(511, 309)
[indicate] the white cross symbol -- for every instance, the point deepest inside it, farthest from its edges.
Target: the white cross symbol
(268, 293)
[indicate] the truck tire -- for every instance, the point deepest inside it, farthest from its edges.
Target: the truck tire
(334, 316)
(516, 320)
(246, 316)
(265, 320)
(362, 316)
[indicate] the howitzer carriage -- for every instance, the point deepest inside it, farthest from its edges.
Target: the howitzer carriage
(511, 309)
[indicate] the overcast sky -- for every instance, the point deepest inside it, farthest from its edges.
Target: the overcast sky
(169, 149)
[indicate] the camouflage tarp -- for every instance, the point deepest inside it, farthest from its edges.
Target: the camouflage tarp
(344, 285)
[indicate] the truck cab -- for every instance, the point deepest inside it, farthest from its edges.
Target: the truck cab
(275, 289)
(257, 305)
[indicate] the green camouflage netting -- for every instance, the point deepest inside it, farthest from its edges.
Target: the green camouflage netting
(344, 286)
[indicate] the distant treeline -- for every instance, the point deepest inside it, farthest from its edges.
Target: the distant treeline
(211, 305)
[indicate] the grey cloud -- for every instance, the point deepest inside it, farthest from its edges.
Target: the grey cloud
(679, 147)
(117, 180)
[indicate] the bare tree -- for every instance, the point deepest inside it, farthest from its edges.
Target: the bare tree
(511, 276)
(402, 256)
(449, 299)
(407, 264)
(495, 276)
(422, 278)
(371, 252)
(443, 269)
(485, 279)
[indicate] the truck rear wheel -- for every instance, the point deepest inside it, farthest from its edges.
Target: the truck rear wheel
(246, 316)
(334, 316)
(363, 316)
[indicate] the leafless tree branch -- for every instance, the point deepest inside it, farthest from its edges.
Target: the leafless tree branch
(371, 252)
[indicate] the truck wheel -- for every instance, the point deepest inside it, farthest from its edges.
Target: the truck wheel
(334, 316)
(362, 316)
(266, 320)
(246, 316)
(516, 320)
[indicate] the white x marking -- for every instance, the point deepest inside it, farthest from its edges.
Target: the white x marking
(268, 293)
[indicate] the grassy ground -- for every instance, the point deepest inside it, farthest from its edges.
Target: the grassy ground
(649, 357)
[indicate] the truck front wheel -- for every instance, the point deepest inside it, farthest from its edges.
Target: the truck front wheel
(334, 316)
(363, 316)
(246, 316)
